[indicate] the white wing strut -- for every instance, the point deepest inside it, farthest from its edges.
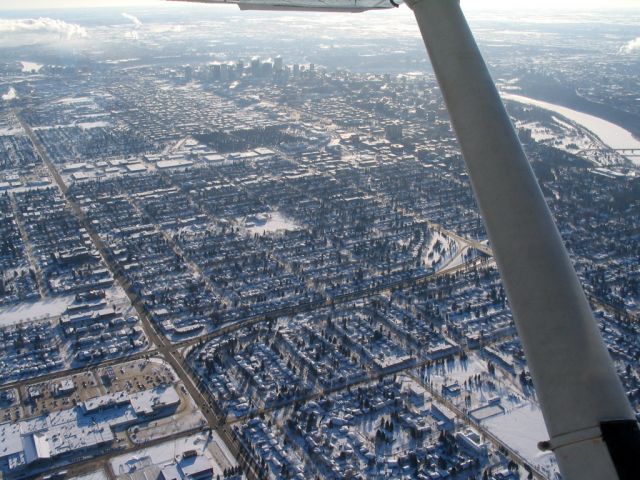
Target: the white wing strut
(583, 403)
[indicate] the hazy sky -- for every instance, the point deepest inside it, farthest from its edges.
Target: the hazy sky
(467, 4)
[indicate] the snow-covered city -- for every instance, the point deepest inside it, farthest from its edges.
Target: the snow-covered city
(237, 246)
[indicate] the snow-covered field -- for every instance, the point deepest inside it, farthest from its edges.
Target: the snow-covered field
(10, 95)
(441, 250)
(270, 223)
(90, 125)
(28, 67)
(82, 125)
(568, 137)
(71, 101)
(458, 371)
(23, 312)
(522, 428)
(11, 131)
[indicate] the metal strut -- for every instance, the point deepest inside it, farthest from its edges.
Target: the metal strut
(578, 388)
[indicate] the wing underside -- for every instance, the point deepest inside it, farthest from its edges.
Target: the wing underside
(307, 5)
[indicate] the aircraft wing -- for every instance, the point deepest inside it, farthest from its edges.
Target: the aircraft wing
(307, 5)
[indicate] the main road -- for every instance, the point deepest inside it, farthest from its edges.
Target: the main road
(164, 348)
(214, 417)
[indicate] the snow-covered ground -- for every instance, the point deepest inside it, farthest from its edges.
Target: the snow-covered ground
(522, 428)
(269, 223)
(89, 125)
(212, 447)
(583, 130)
(28, 67)
(70, 101)
(11, 131)
(457, 259)
(51, 307)
(82, 125)
(538, 132)
(10, 95)
(571, 138)
(457, 371)
(441, 250)
(45, 308)
(97, 475)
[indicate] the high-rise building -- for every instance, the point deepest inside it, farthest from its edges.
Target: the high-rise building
(224, 72)
(277, 63)
(215, 73)
(393, 132)
(267, 69)
(255, 67)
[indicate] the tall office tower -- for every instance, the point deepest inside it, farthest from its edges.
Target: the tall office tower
(267, 69)
(255, 67)
(224, 72)
(216, 69)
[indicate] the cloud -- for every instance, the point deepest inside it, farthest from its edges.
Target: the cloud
(632, 46)
(42, 25)
(135, 20)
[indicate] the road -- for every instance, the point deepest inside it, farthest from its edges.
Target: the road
(164, 348)
(42, 290)
(170, 352)
(479, 427)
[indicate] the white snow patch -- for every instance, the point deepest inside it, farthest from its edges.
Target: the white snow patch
(97, 475)
(10, 95)
(458, 371)
(269, 223)
(90, 125)
(521, 429)
(449, 247)
(458, 258)
(72, 100)
(47, 308)
(29, 67)
(167, 453)
(11, 131)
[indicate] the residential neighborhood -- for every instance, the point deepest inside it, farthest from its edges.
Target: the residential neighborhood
(221, 259)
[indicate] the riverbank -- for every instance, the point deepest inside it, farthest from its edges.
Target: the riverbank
(609, 133)
(548, 90)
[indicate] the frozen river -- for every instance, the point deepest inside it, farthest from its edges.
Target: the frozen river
(611, 134)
